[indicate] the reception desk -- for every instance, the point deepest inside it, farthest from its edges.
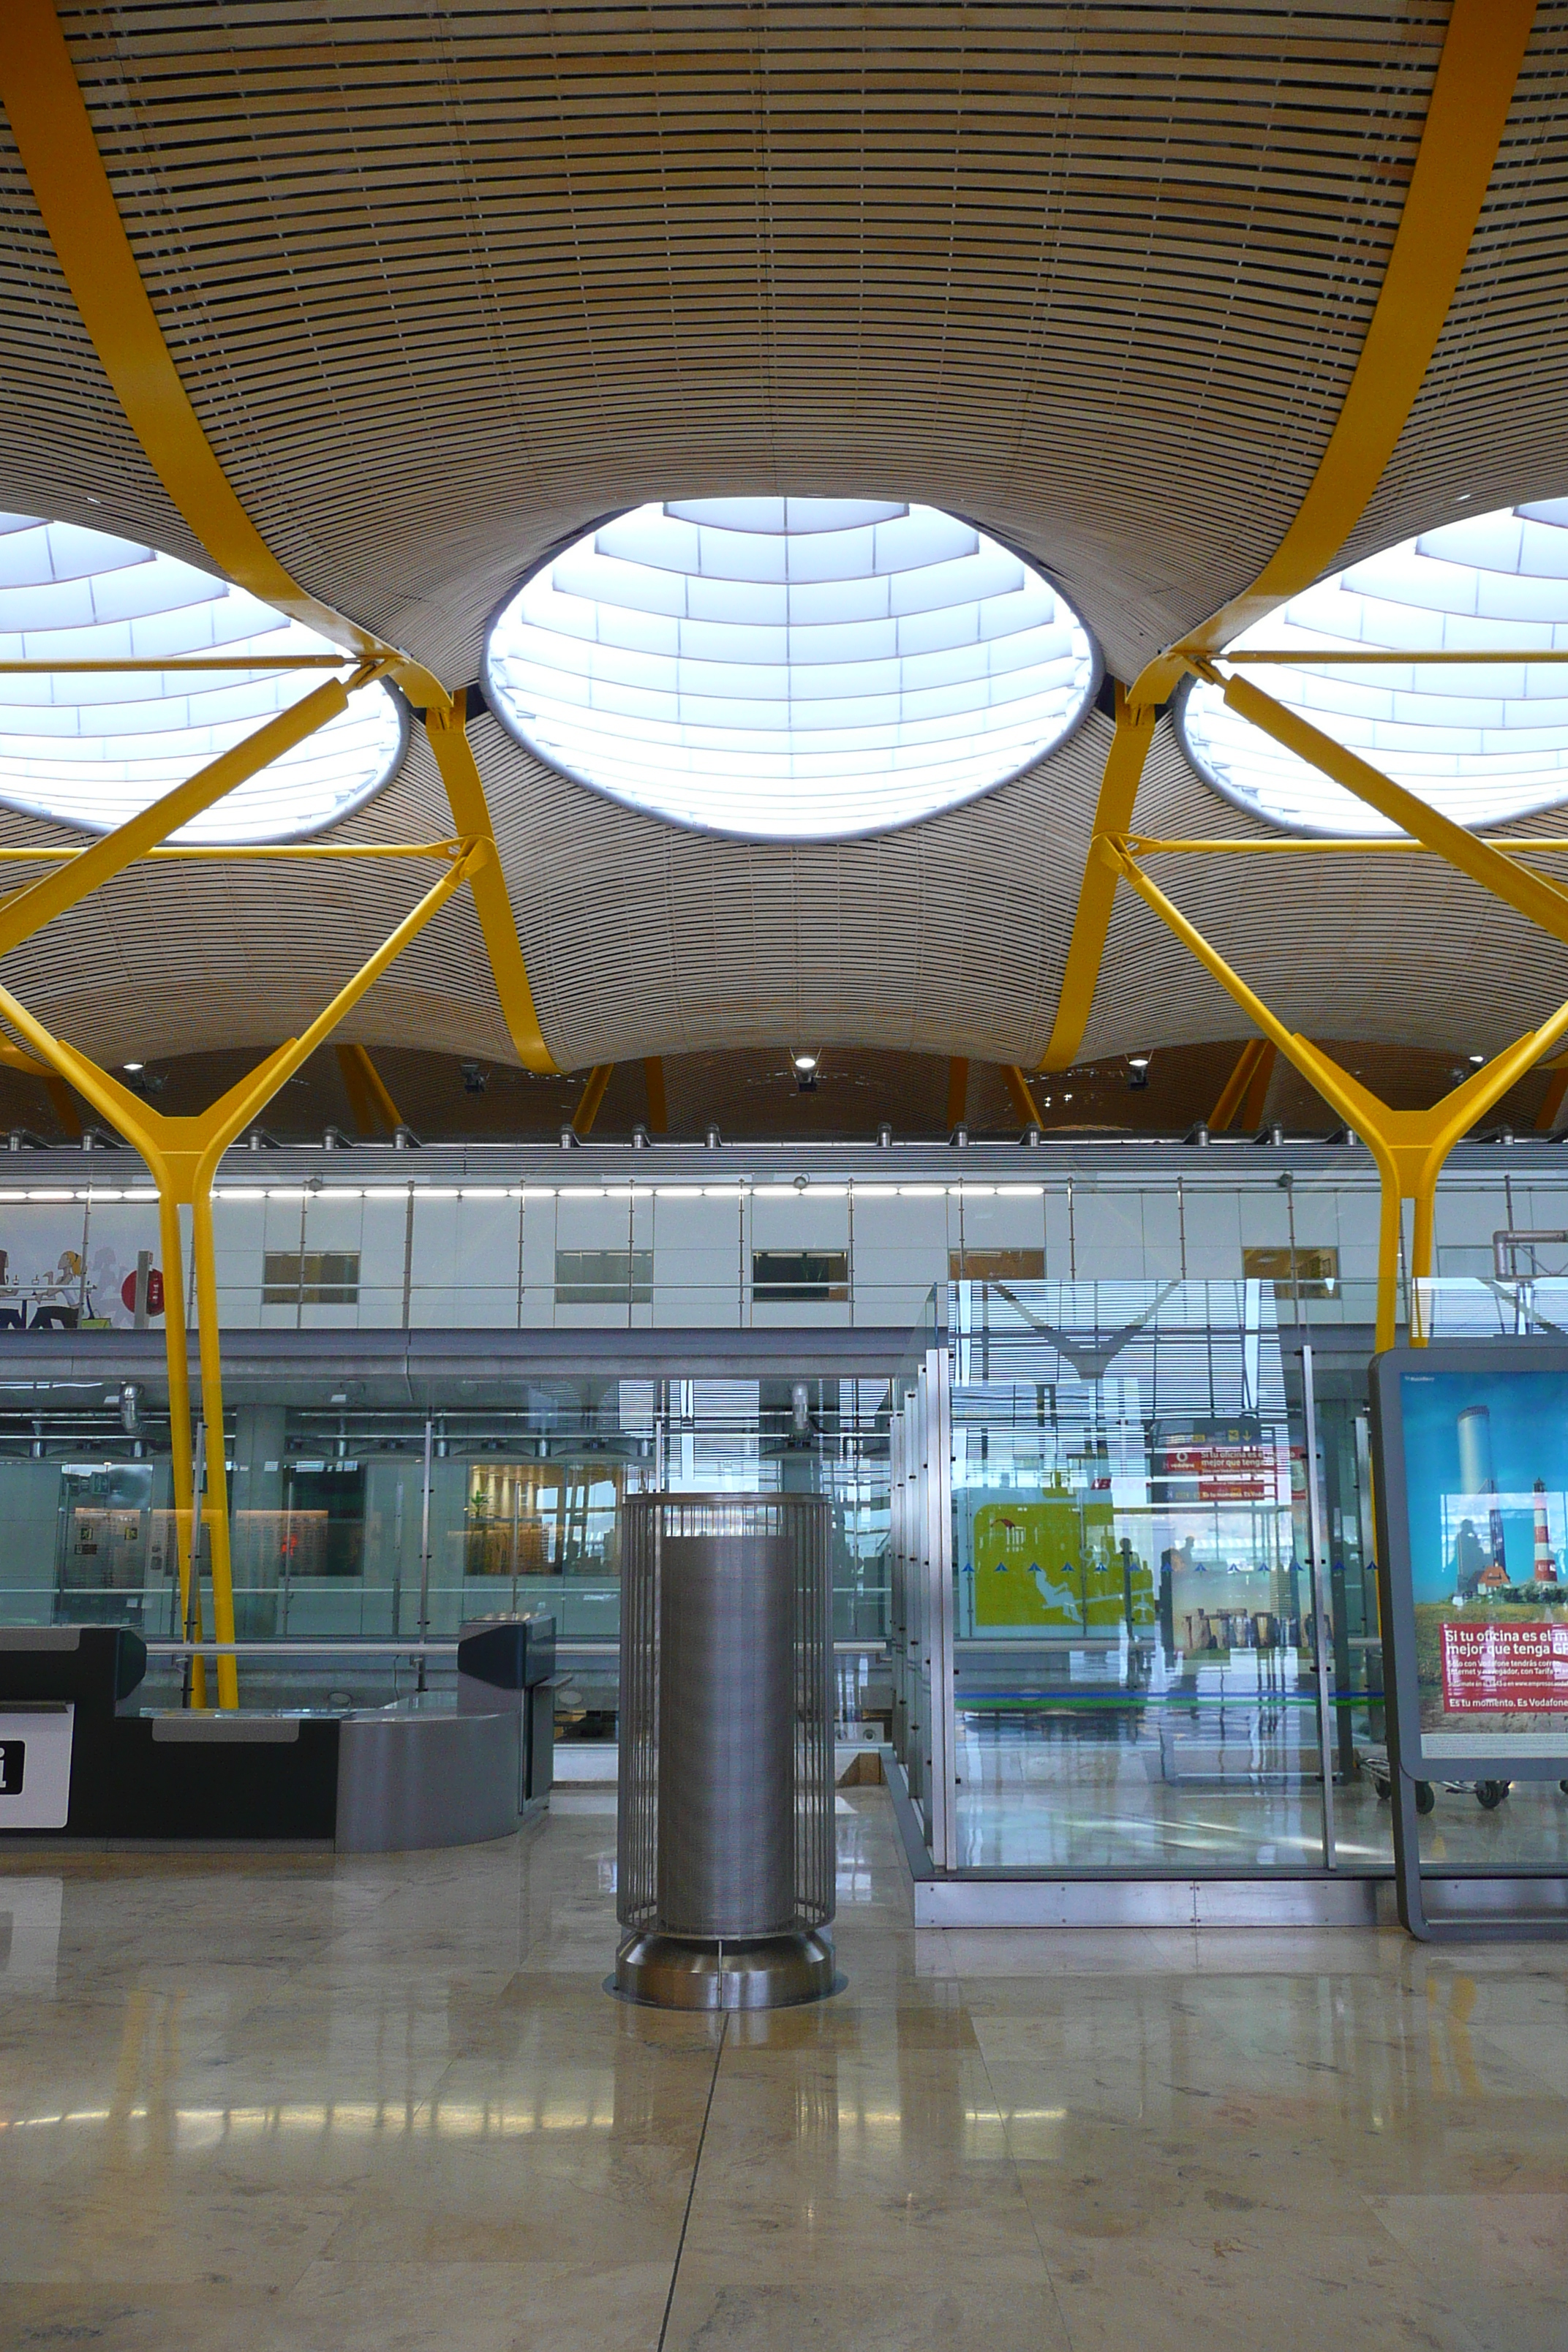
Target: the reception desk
(78, 1758)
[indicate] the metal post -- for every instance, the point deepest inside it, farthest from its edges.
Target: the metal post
(425, 1546)
(937, 1447)
(1321, 1634)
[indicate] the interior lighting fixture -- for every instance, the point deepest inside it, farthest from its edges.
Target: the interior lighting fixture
(133, 1067)
(804, 1063)
(91, 749)
(789, 669)
(1482, 743)
(1138, 1069)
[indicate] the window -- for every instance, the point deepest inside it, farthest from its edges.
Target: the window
(604, 1278)
(1295, 1274)
(1481, 744)
(91, 749)
(311, 1279)
(996, 1265)
(789, 670)
(798, 1276)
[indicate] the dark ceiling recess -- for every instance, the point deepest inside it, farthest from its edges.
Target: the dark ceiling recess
(757, 1096)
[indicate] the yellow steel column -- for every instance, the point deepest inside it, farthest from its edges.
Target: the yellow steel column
(188, 1549)
(215, 1511)
(658, 1102)
(957, 1091)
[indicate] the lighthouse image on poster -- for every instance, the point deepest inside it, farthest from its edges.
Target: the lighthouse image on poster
(1486, 1459)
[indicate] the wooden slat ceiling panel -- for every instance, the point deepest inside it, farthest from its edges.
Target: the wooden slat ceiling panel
(444, 285)
(644, 939)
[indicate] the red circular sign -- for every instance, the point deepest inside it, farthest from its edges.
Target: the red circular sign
(154, 1292)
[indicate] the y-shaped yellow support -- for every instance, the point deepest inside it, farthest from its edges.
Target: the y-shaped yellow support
(182, 1156)
(1409, 1146)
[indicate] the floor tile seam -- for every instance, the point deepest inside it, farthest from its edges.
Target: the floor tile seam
(1047, 2271)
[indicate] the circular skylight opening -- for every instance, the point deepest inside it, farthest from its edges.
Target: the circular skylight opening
(1482, 743)
(789, 670)
(92, 748)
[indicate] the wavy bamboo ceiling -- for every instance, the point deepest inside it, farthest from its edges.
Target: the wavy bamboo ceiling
(446, 284)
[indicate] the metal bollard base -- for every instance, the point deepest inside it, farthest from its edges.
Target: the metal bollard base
(743, 1972)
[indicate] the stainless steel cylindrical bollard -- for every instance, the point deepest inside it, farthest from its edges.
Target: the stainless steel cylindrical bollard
(725, 1867)
(726, 1692)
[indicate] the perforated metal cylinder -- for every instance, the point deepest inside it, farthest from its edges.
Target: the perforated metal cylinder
(726, 1753)
(726, 1764)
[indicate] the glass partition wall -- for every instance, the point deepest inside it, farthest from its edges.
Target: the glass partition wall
(1129, 1573)
(356, 1521)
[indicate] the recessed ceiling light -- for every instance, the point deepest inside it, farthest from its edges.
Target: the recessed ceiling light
(133, 1066)
(806, 1061)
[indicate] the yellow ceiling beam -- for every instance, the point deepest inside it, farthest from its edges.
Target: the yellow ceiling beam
(55, 138)
(449, 736)
(1024, 1102)
(1245, 1091)
(1097, 892)
(370, 1106)
(1465, 115)
(592, 1095)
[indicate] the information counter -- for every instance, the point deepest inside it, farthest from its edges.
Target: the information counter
(78, 1757)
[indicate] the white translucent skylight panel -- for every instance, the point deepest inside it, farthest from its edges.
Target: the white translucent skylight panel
(789, 669)
(1482, 742)
(92, 748)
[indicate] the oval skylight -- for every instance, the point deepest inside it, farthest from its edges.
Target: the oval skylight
(92, 748)
(789, 670)
(1482, 742)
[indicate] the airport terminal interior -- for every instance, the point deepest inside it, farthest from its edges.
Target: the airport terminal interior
(784, 1176)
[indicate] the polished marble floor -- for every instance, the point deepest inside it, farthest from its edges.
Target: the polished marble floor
(382, 2104)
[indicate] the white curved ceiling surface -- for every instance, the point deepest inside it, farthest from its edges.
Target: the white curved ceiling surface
(1483, 741)
(789, 669)
(91, 749)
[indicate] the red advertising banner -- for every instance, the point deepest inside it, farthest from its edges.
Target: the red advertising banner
(1501, 1669)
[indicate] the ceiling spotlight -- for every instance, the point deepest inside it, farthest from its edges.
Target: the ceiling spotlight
(474, 1078)
(805, 1063)
(1138, 1069)
(1476, 1061)
(133, 1066)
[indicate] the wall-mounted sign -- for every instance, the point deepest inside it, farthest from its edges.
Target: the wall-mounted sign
(1473, 1485)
